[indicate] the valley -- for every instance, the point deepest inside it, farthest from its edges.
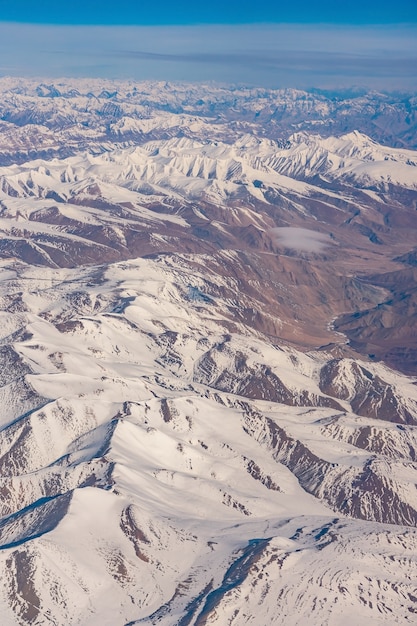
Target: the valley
(208, 356)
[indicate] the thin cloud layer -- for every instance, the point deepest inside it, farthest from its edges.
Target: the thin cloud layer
(271, 56)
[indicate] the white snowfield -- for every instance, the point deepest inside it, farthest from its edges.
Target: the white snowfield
(136, 490)
(193, 167)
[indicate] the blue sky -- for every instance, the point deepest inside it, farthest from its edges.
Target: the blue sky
(181, 12)
(296, 43)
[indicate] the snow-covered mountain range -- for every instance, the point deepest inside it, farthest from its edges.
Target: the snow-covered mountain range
(208, 356)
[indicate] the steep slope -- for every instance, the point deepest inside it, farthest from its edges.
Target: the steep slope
(158, 432)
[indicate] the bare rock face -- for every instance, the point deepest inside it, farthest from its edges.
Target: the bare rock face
(225, 370)
(368, 395)
(364, 493)
(207, 359)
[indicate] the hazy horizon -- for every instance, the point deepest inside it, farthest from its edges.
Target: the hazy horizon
(270, 55)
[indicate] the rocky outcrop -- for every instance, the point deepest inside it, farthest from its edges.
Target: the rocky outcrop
(368, 394)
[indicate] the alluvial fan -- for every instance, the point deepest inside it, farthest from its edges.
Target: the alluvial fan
(208, 362)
